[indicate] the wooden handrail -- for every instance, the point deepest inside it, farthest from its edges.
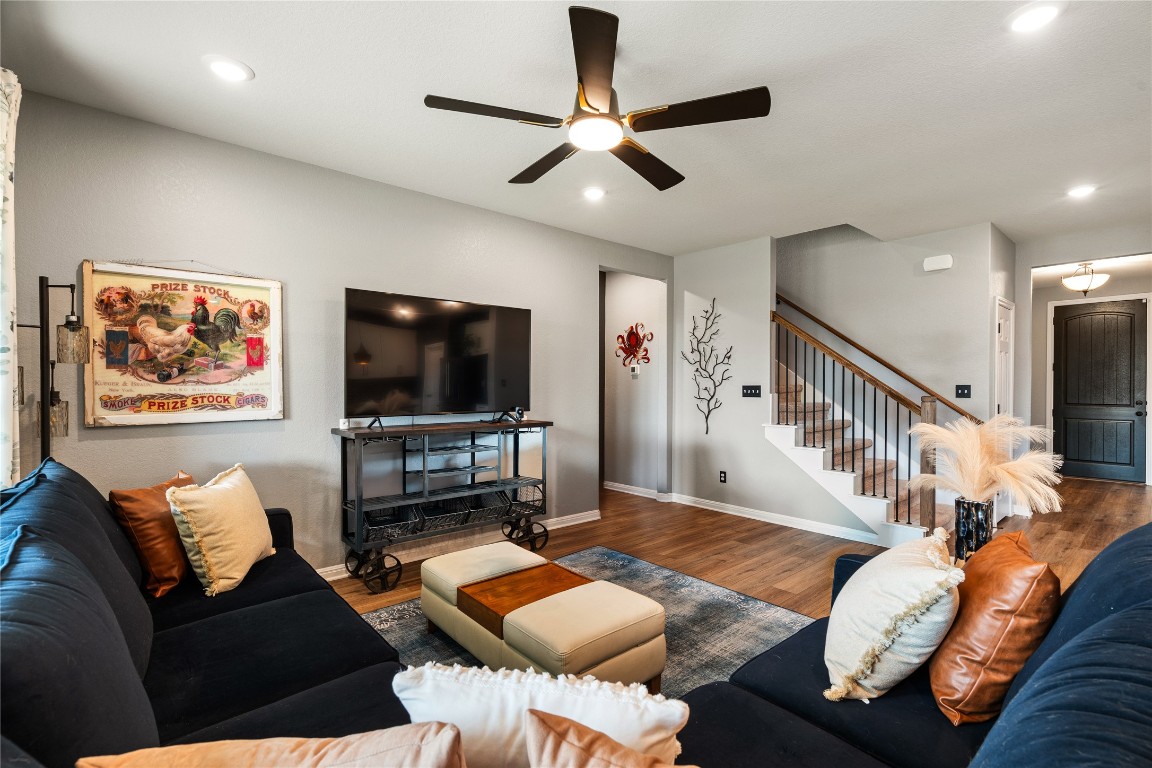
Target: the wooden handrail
(904, 400)
(877, 358)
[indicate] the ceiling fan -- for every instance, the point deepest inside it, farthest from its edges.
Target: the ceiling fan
(596, 123)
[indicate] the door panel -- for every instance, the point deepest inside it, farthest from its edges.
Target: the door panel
(1100, 389)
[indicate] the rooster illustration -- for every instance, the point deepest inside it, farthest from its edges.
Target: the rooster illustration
(164, 345)
(219, 329)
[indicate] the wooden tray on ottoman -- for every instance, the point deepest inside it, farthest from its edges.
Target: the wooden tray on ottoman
(488, 602)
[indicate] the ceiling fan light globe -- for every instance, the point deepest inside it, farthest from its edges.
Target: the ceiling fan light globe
(596, 133)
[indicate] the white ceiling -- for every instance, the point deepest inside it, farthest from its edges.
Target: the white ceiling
(899, 118)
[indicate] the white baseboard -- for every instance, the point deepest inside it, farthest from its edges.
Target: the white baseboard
(839, 531)
(647, 493)
(462, 540)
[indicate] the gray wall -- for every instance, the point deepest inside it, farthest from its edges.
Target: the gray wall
(1102, 243)
(760, 478)
(635, 410)
(934, 325)
(92, 185)
(1041, 297)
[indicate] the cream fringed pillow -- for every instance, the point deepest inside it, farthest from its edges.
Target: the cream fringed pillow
(427, 745)
(890, 617)
(489, 709)
(223, 528)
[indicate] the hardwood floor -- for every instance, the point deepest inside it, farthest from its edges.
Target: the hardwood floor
(790, 567)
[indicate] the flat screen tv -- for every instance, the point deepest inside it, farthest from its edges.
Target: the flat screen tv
(412, 355)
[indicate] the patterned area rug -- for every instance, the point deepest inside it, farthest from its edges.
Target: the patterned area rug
(710, 630)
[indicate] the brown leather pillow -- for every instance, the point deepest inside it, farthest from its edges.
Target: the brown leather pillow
(146, 516)
(1008, 601)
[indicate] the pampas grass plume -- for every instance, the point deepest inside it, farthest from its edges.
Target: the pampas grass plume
(974, 461)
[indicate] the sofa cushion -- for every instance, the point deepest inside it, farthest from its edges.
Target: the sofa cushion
(360, 701)
(1119, 577)
(282, 575)
(489, 707)
(728, 726)
(69, 685)
(1087, 705)
(216, 668)
(426, 745)
(1007, 603)
(903, 727)
(890, 617)
(146, 518)
(67, 479)
(554, 740)
(223, 528)
(52, 509)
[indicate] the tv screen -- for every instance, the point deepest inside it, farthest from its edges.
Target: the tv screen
(411, 355)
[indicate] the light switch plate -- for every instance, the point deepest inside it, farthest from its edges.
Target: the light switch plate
(750, 390)
(963, 390)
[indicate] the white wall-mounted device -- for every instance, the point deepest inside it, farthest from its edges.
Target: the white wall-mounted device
(936, 263)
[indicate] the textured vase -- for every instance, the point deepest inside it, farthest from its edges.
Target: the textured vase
(973, 526)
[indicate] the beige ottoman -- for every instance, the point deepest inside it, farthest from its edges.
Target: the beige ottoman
(599, 629)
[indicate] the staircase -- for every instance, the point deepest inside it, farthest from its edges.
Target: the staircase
(848, 430)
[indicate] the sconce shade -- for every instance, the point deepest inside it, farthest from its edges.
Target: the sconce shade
(73, 343)
(1085, 279)
(361, 355)
(59, 419)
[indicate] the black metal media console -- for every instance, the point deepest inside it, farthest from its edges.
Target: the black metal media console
(428, 453)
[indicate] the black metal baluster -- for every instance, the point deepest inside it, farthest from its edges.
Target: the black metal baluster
(824, 395)
(779, 394)
(875, 433)
(843, 402)
(908, 519)
(804, 395)
(852, 439)
(897, 515)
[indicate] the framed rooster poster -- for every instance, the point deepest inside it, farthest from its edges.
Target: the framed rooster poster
(177, 347)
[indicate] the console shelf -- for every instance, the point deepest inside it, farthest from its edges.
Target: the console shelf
(373, 524)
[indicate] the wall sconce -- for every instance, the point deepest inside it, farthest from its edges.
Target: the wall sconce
(1085, 279)
(73, 345)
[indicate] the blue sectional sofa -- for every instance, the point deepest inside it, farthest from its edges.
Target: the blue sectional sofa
(1084, 698)
(89, 666)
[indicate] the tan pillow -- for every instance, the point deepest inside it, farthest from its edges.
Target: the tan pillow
(145, 516)
(889, 618)
(1008, 602)
(223, 528)
(554, 740)
(427, 745)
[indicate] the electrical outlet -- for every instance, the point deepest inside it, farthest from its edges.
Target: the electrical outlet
(723, 476)
(963, 390)
(750, 390)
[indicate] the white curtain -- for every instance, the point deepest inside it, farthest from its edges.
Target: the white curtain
(9, 385)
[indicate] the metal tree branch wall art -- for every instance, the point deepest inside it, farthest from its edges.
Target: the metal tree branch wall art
(710, 368)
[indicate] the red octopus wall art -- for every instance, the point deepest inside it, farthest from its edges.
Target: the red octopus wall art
(631, 345)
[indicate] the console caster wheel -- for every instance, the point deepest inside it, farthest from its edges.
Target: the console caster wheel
(513, 530)
(536, 536)
(382, 574)
(354, 563)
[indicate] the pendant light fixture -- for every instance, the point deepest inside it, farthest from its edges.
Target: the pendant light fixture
(1085, 279)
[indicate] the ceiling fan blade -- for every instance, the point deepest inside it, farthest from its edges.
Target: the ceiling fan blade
(594, 41)
(545, 164)
(741, 105)
(654, 170)
(472, 108)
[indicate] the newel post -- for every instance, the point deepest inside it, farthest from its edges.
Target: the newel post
(928, 467)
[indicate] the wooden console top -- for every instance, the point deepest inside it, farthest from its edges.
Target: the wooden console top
(488, 602)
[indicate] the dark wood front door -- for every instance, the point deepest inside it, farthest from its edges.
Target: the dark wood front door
(1100, 388)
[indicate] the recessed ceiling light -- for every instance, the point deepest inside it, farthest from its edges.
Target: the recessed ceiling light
(228, 69)
(1081, 191)
(593, 193)
(1035, 15)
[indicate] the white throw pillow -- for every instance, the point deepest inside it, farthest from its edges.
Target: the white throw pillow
(890, 617)
(223, 528)
(489, 709)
